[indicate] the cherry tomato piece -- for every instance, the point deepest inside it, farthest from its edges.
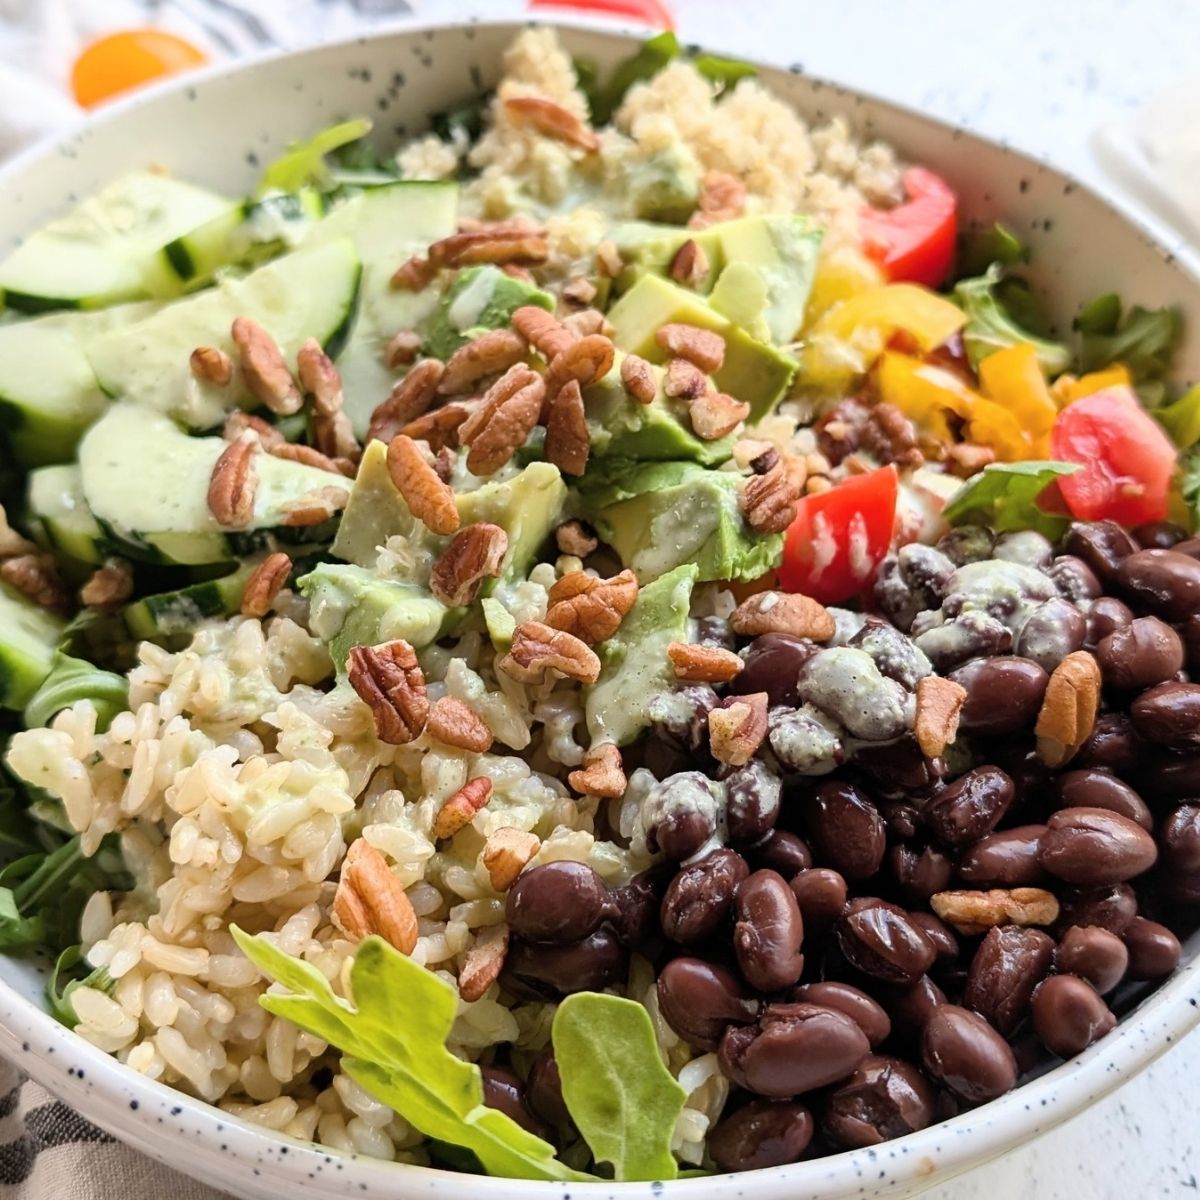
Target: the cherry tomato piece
(115, 64)
(914, 242)
(648, 12)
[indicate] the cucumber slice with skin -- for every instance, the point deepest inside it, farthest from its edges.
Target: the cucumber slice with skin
(109, 248)
(28, 638)
(308, 294)
(169, 615)
(61, 516)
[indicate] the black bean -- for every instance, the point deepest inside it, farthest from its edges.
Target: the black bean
(1025, 546)
(1158, 535)
(1169, 715)
(1111, 908)
(1191, 642)
(637, 904)
(1010, 962)
(857, 1005)
(772, 665)
(1145, 652)
(1171, 776)
(1189, 546)
(700, 1000)
(792, 1049)
(1053, 630)
(901, 818)
(1090, 787)
(1180, 840)
(884, 1098)
(821, 895)
(892, 651)
(878, 939)
(966, 1055)
(1093, 847)
(1112, 745)
(1154, 951)
(847, 830)
(680, 717)
(558, 902)
(681, 815)
(1004, 694)
(1093, 954)
(940, 935)
(543, 1091)
(1068, 1015)
(700, 897)
(900, 767)
(967, 543)
(503, 1091)
(781, 851)
(911, 1007)
(715, 631)
(1163, 581)
(763, 1133)
(1103, 545)
(1074, 579)
(753, 793)
(925, 570)
(1106, 615)
(1006, 859)
(545, 972)
(768, 933)
(970, 807)
(920, 872)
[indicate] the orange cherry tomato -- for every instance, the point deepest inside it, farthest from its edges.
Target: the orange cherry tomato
(121, 61)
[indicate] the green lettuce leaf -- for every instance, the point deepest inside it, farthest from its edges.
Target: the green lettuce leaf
(303, 163)
(1144, 340)
(1004, 496)
(1189, 484)
(73, 679)
(393, 1039)
(69, 973)
(1182, 419)
(724, 72)
(994, 244)
(621, 1097)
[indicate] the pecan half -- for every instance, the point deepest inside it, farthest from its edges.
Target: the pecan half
(684, 380)
(483, 964)
(783, 612)
(568, 444)
(36, 576)
(239, 422)
(737, 728)
(516, 271)
(488, 354)
(369, 899)
(769, 500)
(459, 811)
(319, 378)
(428, 497)
(968, 458)
(402, 349)
(476, 553)
(233, 483)
(690, 265)
(409, 398)
(499, 427)
(538, 648)
(265, 584)
(580, 291)
(602, 773)
(722, 197)
(703, 664)
(264, 369)
(939, 704)
(585, 361)
(715, 414)
(1069, 709)
(494, 244)
(438, 428)
(505, 854)
(333, 435)
(638, 377)
(608, 259)
(455, 723)
(544, 332)
(109, 585)
(572, 537)
(552, 120)
(701, 346)
(976, 912)
(308, 455)
(589, 607)
(588, 321)
(315, 507)
(414, 274)
(210, 364)
(388, 679)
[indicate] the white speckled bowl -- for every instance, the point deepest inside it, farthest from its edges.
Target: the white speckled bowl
(217, 127)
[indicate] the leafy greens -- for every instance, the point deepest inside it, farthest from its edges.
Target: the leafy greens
(303, 163)
(72, 679)
(1004, 496)
(1143, 340)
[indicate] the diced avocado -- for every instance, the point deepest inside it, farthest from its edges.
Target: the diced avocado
(741, 295)
(60, 515)
(753, 371)
(659, 515)
(170, 615)
(29, 636)
(501, 624)
(479, 298)
(634, 665)
(350, 606)
(649, 247)
(663, 186)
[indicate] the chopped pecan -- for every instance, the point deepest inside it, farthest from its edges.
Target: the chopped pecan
(308, 455)
(722, 197)
(586, 360)
(369, 899)
(265, 583)
(701, 346)
(476, 553)
(976, 912)
(783, 612)
(439, 429)
(459, 811)
(589, 607)
(414, 274)
(567, 440)
(239, 422)
(939, 704)
(544, 332)
(455, 723)
(703, 664)
(410, 398)
(389, 680)
(608, 259)
(315, 507)
(510, 410)
(443, 463)
(319, 378)
(483, 964)
(769, 500)
(505, 854)
(494, 244)
(638, 377)
(538, 648)
(516, 271)
(233, 483)
(333, 435)
(890, 437)
(715, 414)
(580, 291)
(264, 369)
(488, 354)
(690, 265)
(552, 120)
(684, 380)
(968, 458)
(36, 576)
(210, 364)
(1069, 709)
(402, 349)
(737, 728)
(602, 773)
(428, 497)
(572, 537)
(110, 584)
(11, 542)
(764, 462)
(588, 321)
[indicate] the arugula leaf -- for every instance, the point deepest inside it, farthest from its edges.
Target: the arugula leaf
(1144, 340)
(995, 244)
(726, 73)
(1004, 496)
(66, 968)
(1182, 419)
(73, 679)
(467, 117)
(393, 1039)
(1100, 315)
(1189, 483)
(991, 326)
(620, 1095)
(304, 162)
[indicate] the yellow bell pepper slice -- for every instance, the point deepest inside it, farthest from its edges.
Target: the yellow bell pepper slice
(923, 393)
(1066, 389)
(928, 317)
(991, 425)
(1013, 379)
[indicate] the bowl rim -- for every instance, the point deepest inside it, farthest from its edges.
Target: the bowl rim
(117, 1098)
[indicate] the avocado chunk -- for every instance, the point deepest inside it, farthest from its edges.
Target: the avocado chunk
(657, 516)
(663, 186)
(479, 298)
(647, 247)
(29, 635)
(634, 667)
(753, 371)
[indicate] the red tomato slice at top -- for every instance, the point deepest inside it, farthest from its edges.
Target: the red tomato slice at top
(914, 242)
(1126, 457)
(648, 12)
(839, 537)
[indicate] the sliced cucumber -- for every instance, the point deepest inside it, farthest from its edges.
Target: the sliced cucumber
(310, 293)
(191, 259)
(28, 638)
(146, 483)
(48, 392)
(61, 516)
(110, 247)
(171, 614)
